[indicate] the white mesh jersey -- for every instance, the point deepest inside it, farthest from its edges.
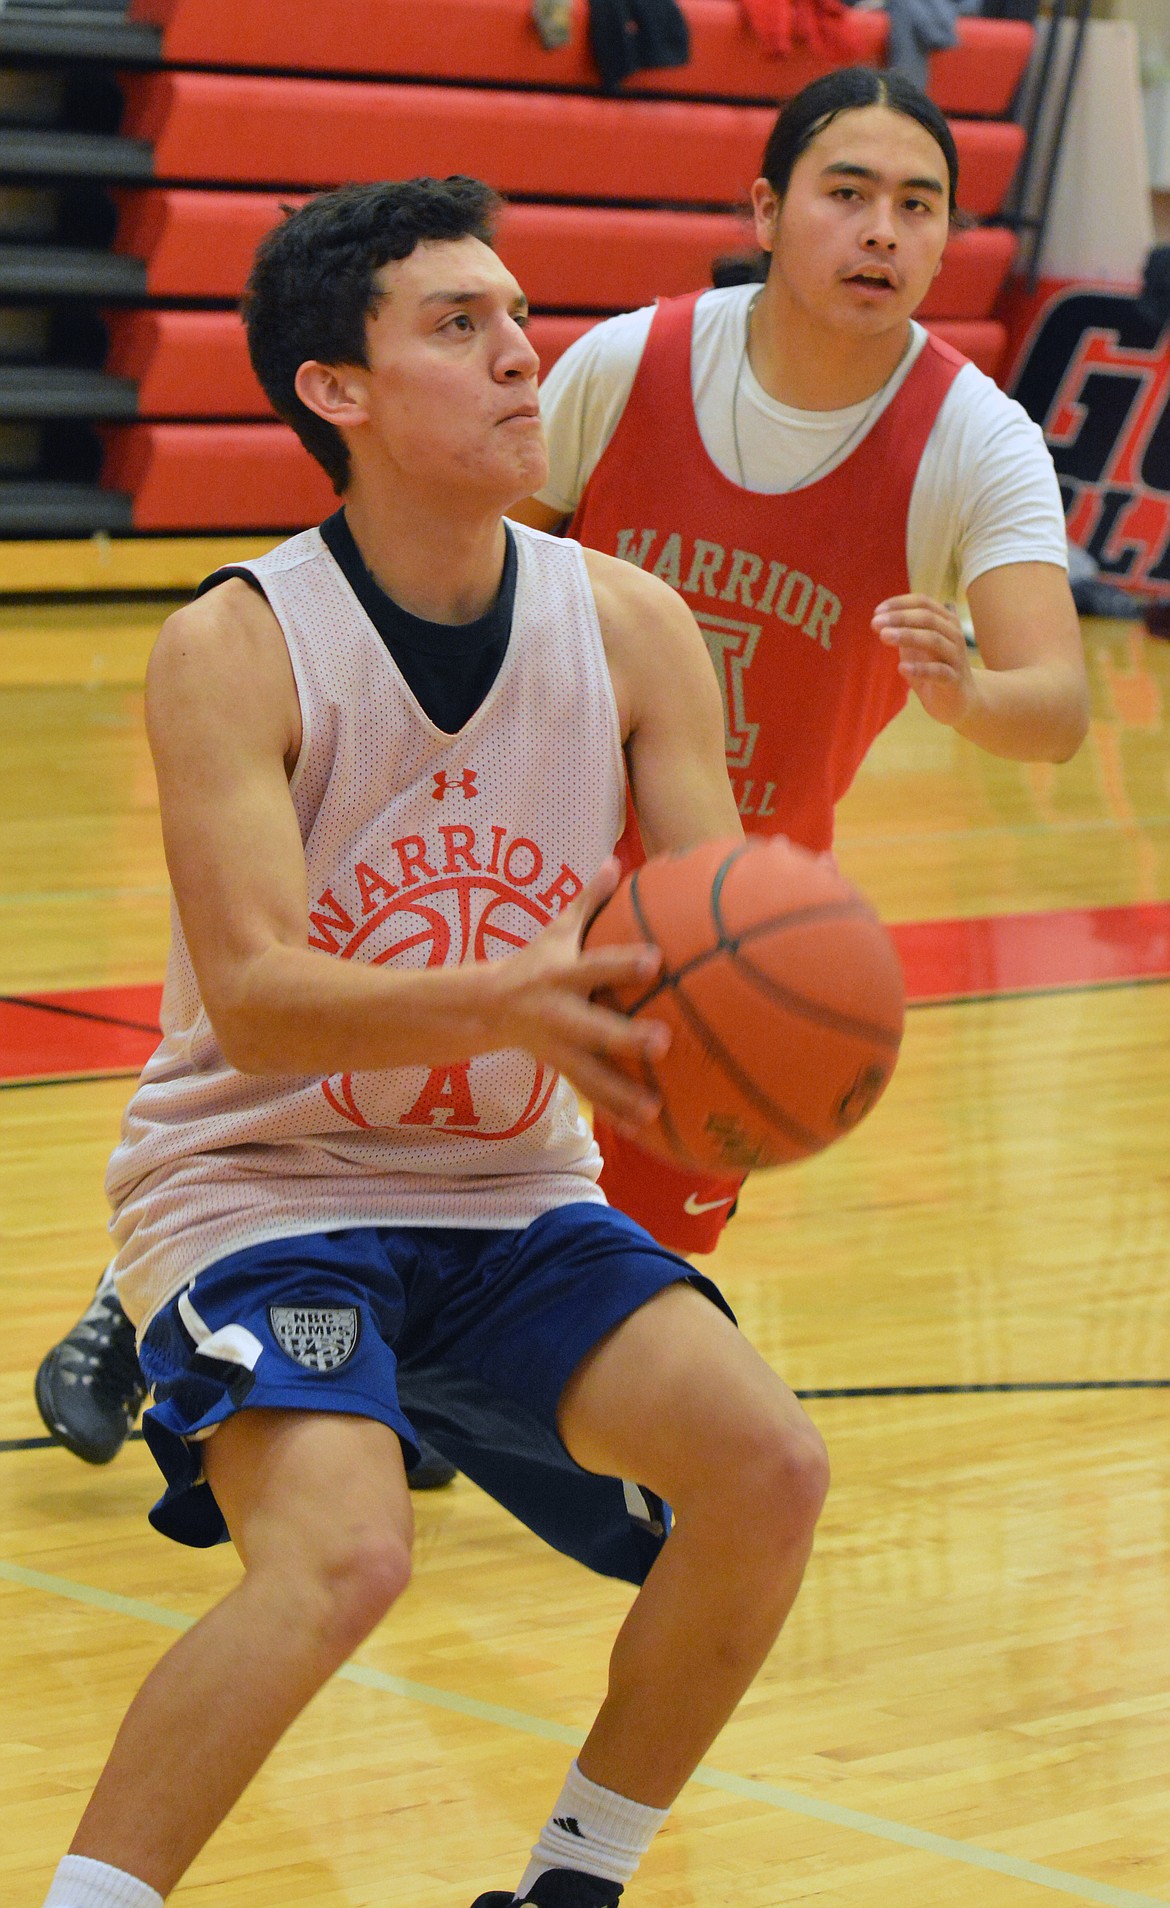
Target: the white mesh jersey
(422, 849)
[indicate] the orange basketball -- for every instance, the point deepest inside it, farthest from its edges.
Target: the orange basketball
(783, 993)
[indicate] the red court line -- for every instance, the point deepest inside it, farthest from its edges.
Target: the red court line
(111, 1029)
(1032, 953)
(81, 1031)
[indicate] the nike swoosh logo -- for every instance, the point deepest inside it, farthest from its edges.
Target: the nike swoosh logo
(696, 1206)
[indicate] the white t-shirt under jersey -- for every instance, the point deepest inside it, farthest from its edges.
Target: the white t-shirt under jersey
(986, 492)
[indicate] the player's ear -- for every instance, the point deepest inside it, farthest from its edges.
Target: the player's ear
(765, 213)
(335, 392)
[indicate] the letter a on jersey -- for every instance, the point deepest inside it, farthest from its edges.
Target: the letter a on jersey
(445, 1100)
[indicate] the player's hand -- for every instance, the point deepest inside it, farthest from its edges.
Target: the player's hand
(545, 1006)
(933, 654)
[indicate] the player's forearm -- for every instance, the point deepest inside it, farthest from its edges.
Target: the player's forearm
(293, 1010)
(1037, 713)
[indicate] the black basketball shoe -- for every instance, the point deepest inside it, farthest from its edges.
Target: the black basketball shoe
(558, 1888)
(432, 1472)
(90, 1388)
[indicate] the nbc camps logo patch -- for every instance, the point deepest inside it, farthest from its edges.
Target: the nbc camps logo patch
(319, 1337)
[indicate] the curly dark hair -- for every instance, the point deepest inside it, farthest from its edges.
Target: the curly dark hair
(313, 286)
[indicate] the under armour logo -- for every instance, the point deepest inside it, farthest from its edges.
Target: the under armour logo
(443, 783)
(570, 1825)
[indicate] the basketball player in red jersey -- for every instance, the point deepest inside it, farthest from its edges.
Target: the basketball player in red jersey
(820, 479)
(354, 1198)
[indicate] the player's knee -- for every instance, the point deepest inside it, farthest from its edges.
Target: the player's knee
(783, 1480)
(370, 1577)
(804, 1474)
(355, 1583)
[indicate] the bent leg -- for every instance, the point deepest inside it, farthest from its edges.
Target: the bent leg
(676, 1398)
(318, 1509)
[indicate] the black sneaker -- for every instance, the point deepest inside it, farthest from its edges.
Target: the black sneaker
(90, 1388)
(558, 1888)
(1157, 618)
(432, 1472)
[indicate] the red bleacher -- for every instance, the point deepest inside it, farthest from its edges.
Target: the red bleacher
(629, 198)
(313, 132)
(215, 476)
(496, 41)
(600, 258)
(195, 363)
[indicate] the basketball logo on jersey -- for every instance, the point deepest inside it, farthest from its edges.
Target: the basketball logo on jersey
(321, 1338)
(470, 893)
(1095, 375)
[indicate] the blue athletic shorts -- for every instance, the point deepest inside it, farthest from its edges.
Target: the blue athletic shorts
(464, 1338)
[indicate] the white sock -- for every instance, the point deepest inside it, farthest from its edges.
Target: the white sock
(594, 1830)
(80, 1883)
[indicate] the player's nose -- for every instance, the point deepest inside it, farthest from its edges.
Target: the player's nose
(882, 234)
(517, 357)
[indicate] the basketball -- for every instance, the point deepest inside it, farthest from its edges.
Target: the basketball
(783, 993)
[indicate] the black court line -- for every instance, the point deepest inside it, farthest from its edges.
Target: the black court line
(78, 1013)
(962, 1391)
(69, 1079)
(26, 1444)
(836, 1391)
(46, 1444)
(912, 1006)
(1041, 993)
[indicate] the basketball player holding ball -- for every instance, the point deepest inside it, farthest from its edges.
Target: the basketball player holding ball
(820, 479)
(392, 759)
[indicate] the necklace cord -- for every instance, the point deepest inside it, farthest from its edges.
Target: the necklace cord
(840, 451)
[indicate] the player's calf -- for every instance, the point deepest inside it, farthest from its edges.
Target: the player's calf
(317, 1506)
(746, 1515)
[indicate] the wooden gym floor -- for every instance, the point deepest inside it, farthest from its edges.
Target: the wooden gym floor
(971, 1704)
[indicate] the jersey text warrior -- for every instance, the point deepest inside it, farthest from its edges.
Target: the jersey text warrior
(783, 587)
(422, 849)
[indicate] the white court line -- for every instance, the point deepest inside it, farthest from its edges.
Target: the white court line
(1086, 825)
(65, 897)
(790, 1800)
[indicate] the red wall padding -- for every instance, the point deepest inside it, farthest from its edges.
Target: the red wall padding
(478, 40)
(195, 363)
(216, 477)
(240, 130)
(221, 476)
(200, 244)
(247, 130)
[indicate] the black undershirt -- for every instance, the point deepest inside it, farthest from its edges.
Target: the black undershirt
(449, 667)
